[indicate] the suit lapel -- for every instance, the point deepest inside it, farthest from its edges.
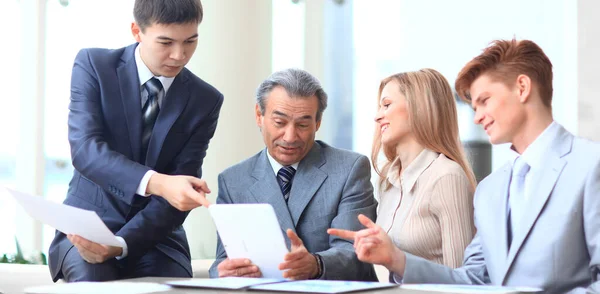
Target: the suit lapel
(495, 200)
(129, 85)
(500, 209)
(306, 183)
(266, 190)
(173, 105)
(541, 191)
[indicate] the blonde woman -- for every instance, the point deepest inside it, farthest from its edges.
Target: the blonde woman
(426, 185)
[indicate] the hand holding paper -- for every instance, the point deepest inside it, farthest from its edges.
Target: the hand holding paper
(245, 235)
(67, 219)
(238, 267)
(93, 252)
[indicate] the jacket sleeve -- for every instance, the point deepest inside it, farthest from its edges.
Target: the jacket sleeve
(90, 153)
(473, 271)
(591, 225)
(340, 261)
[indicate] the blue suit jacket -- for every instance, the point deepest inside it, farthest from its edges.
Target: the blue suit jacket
(330, 189)
(105, 125)
(557, 247)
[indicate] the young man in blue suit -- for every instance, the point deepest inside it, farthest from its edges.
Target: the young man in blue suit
(139, 128)
(538, 216)
(311, 185)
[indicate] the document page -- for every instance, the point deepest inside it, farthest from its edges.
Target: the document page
(322, 286)
(441, 288)
(222, 283)
(65, 218)
(99, 288)
(251, 231)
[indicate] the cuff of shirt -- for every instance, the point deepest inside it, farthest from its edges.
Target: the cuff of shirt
(125, 252)
(141, 190)
(394, 278)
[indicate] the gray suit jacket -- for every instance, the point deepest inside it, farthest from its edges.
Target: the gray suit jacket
(558, 246)
(330, 189)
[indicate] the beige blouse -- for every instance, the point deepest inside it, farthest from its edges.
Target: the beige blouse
(428, 212)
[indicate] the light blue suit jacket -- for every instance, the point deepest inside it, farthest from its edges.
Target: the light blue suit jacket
(330, 189)
(557, 246)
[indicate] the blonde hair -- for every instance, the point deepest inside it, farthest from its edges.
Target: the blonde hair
(433, 119)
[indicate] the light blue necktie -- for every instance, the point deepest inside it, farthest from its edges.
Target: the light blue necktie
(285, 176)
(516, 198)
(149, 113)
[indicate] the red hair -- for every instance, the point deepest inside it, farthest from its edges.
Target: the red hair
(504, 60)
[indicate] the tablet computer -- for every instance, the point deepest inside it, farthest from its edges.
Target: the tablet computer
(251, 231)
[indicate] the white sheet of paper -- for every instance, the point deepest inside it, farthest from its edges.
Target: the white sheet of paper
(441, 288)
(99, 288)
(323, 286)
(222, 283)
(67, 219)
(251, 231)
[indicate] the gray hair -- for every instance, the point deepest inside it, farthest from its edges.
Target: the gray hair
(298, 83)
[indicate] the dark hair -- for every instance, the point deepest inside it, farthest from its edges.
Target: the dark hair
(148, 12)
(298, 83)
(504, 60)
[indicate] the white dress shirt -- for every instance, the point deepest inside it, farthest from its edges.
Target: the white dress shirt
(277, 166)
(534, 156)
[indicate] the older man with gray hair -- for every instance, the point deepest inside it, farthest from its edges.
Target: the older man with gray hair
(311, 185)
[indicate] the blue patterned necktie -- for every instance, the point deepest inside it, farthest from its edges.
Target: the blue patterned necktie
(516, 200)
(285, 177)
(149, 113)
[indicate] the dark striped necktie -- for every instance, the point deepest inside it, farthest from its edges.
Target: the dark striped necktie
(285, 176)
(149, 113)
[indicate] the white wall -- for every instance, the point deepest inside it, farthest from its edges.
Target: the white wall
(588, 63)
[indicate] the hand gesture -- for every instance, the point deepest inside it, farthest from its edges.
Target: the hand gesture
(299, 263)
(373, 245)
(182, 192)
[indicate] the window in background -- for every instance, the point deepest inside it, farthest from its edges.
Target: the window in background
(317, 36)
(10, 17)
(288, 34)
(71, 26)
(338, 72)
(401, 35)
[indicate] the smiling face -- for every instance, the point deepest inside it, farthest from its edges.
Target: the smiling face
(393, 116)
(166, 49)
(288, 125)
(498, 109)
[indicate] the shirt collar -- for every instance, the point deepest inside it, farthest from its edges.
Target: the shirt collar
(412, 172)
(276, 165)
(145, 74)
(534, 154)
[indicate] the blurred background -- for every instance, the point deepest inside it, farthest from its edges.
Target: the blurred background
(349, 45)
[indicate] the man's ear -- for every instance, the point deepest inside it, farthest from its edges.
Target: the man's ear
(523, 87)
(259, 115)
(136, 31)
